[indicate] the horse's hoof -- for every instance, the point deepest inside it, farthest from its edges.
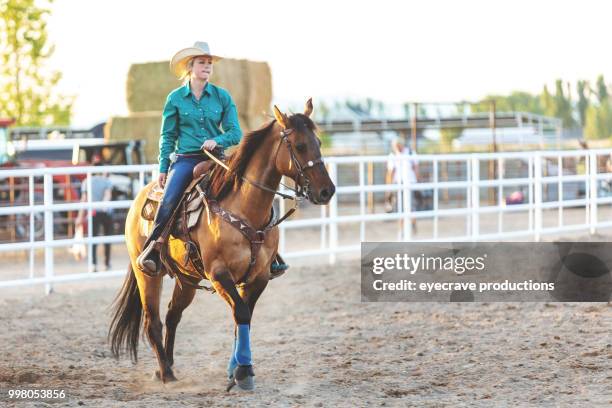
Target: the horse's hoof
(169, 377)
(230, 384)
(243, 377)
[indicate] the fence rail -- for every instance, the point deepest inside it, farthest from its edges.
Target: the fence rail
(484, 192)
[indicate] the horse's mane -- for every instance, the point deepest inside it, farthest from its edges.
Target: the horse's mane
(222, 181)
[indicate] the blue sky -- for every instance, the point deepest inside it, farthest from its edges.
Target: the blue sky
(393, 51)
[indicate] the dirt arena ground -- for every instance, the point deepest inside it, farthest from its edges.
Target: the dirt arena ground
(315, 344)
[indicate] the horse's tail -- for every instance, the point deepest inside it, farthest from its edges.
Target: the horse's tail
(127, 318)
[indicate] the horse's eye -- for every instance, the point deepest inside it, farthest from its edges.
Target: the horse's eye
(301, 147)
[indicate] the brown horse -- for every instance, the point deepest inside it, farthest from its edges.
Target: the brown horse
(246, 190)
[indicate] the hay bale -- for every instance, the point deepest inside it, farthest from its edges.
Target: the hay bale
(138, 126)
(249, 83)
(148, 85)
(260, 93)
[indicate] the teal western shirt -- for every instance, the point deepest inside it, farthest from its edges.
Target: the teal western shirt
(187, 123)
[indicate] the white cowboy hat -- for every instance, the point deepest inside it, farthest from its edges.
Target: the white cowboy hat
(178, 63)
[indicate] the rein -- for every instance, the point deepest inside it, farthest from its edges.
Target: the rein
(256, 184)
(301, 191)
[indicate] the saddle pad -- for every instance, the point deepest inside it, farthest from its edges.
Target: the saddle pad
(193, 216)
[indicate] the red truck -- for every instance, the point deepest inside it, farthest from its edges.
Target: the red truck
(57, 152)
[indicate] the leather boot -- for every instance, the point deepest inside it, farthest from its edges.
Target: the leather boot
(148, 260)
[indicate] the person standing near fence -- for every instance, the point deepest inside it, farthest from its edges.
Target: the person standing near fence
(403, 171)
(102, 218)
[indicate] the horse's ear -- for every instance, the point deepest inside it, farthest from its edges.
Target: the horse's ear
(282, 119)
(308, 108)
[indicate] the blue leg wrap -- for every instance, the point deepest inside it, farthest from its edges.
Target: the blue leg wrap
(243, 345)
(277, 266)
(232, 364)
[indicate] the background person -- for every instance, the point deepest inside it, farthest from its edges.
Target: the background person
(102, 218)
(404, 172)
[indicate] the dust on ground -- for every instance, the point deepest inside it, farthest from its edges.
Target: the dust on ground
(315, 344)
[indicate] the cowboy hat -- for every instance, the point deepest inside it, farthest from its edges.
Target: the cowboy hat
(178, 63)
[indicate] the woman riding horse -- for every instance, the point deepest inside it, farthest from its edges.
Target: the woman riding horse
(190, 122)
(239, 205)
(236, 235)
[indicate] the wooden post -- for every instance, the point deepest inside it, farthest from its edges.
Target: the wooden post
(370, 182)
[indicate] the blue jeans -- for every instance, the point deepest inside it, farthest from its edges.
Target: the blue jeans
(179, 177)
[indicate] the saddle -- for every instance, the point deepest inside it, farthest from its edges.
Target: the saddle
(200, 176)
(180, 245)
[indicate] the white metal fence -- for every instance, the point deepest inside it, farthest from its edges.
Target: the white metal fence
(484, 184)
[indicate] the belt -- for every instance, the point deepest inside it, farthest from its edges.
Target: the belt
(195, 154)
(218, 152)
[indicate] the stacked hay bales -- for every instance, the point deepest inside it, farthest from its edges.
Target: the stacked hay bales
(249, 83)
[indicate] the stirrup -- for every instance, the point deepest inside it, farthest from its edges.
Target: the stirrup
(149, 266)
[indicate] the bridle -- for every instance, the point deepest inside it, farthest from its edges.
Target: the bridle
(303, 189)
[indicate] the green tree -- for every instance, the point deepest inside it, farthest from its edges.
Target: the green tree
(599, 121)
(582, 88)
(563, 105)
(447, 136)
(517, 101)
(598, 118)
(547, 102)
(26, 87)
(366, 107)
(601, 89)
